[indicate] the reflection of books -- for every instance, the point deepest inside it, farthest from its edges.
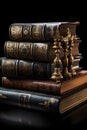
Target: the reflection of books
(14, 117)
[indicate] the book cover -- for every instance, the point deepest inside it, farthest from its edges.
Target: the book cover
(35, 50)
(29, 69)
(15, 117)
(40, 31)
(47, 86)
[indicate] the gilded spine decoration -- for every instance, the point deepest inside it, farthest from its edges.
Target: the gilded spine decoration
(30, 100)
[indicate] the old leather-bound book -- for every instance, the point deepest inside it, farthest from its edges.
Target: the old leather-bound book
(40, 31)
(47, 86)
(35, 51)
(30, 69)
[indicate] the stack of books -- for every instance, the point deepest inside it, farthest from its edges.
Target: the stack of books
(40, 70)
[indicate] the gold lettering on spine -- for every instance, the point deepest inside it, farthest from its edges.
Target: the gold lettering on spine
(16, 32)
(25, 50)
(11, 49)
(8, 67)
(24, 100)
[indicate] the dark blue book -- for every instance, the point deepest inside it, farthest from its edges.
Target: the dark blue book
(44, 102)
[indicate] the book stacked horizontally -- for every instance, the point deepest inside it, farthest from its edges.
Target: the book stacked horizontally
(41, 67)
(31, 50)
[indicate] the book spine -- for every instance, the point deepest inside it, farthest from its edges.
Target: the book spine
(34, 51)
(25, 69)
(32, 85)
(29, 51)
(39, 31)
(29, 100)
(32, 32)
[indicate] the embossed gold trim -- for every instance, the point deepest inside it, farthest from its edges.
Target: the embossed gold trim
(48, 103)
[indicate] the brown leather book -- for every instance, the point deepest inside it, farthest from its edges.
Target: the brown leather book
(29, 69)
(35, 50)
(25, 69)
(40, 31)
(47, 86)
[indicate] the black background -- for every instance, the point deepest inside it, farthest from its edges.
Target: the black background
(42, 12)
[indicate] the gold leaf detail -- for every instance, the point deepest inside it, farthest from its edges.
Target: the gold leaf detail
(48, 103)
